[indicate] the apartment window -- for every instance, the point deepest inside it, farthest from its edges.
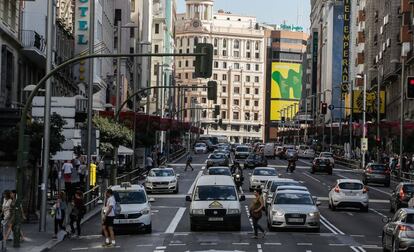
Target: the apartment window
(237, 78)
(236, 102)
(236, 54)
(256, 46)
(186, 76)
(204, 114)
(256, 103)
(118, 14)
(256, 79)
(215, 42)
(248, 45)
(247, 103)
(216, 64)
(194, 63)
(247, 116)
(257, 55)
(223, 114)
(236, 115)
(132, 32)
(247, 78)
(224, 52)
(180, 51)
(188, 42)
(186, 63)
(195, 41)
(179, 76)
(188, 50)
(236, 66)
(256, 116)
(185, 113)
(247, 66)
(236, 44)
(179, 63)
(256, 67)
(203, 100)
(181, 42)
(224, 89)
(157, 28)
(133, 5)
(247, 90)
(156, 48)
(256, 91)
(224, 43)
(236, 90)
(225, 65)
(215, 52)
(214, 76)
(224, 77)
(223, 101)
(185, 99)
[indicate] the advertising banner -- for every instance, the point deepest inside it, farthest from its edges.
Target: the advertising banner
(277, 106)
(286, 81)
(358, 102)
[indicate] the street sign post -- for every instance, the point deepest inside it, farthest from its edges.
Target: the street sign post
(364, 144)
(331, 107)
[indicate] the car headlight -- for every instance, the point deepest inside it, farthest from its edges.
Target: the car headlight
(197, 212)
(314, 214)
(173, 181)
(147, 183)
(233, 211)
(237, 175)
(278, 213)
(255, 181)
(145, 211)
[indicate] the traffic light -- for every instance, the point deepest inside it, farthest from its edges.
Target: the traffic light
(324, 108)
(204, 64)
(212, 90)
(216, 110)
(283, 119)
(410, 87)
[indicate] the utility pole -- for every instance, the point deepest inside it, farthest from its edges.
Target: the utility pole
(46, 130)
(351, 103)
(402, 113)
(364, 112)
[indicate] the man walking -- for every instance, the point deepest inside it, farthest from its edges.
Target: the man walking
(67, 176)
(188, 164)
(108, 219)
(150, 163)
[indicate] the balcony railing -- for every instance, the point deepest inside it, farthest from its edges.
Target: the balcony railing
(32, 39)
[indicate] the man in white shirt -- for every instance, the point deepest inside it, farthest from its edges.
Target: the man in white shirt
(108, 217)
(67, 177)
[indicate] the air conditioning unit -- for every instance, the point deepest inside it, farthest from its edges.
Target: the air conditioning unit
(386, 19)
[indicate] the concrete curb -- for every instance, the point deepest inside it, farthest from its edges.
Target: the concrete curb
(52, 243)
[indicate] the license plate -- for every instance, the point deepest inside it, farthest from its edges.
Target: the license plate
(295, 220)
(126, 221)
(350, 194)
(215, 219)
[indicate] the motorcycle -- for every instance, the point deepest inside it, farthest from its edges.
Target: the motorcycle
(291, 167)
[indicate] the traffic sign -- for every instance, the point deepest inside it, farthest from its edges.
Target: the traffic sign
(331, 107)
(364, 144)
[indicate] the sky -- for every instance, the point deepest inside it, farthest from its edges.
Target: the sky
(268, 11)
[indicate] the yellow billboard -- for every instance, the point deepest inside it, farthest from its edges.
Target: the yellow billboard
(286, 81)
(279, 108)
(358, 102)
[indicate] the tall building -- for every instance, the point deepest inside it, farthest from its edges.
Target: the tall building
(285, 45)
(238, 68)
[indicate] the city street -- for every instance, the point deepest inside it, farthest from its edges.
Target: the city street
(343, 230)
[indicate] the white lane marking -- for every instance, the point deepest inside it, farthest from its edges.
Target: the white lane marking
(161, 247)
(248, 216)
(192, 186)
(308, 250)
(259, 246)
(241, 243)
(208, 243)
(371, 247)
(203, 168)
(332, 225)
(174, 223)
(272, 243)
(158, 250)
(78, 249)
(304, 244)
(350, 214)
(338, 244)
(178, 244)
(370, 187)
(309, 176)
(380, 214)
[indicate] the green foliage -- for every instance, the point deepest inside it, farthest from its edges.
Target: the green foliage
(112, 134)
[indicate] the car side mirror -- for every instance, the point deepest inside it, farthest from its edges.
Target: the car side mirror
(188, 198)
(386, 219)
(242, 198)
(318, 203)
(178, 175)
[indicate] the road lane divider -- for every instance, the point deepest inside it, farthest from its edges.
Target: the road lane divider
(311, 177)
(174, 223)
(332, 226)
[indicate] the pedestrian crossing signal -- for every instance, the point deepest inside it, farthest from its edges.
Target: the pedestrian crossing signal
(410, 87)
(324, 108)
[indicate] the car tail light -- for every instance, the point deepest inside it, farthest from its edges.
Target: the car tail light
(336, 189)
(402, 194)
(365, 190)
(369, 170)
(405, 228)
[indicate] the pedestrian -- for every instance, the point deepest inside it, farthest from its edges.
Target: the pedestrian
(255, 211)
(6, 212)
(75, 179)
(154, 157)
(22, 216)
(53, 176)
(77, 213)
(150, 163)
(108, 219)
(188, 163)
(67, 177)
(59, 211)
(82, 174)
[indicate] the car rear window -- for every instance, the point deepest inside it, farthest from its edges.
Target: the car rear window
(216, 156)
(219, 171)
(378, 167)
(275, 185)
(351, 186)
(242, 149)
(409, 188)
(264, 172)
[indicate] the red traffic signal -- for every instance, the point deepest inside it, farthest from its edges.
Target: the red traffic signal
(324, 108)
(410, 87)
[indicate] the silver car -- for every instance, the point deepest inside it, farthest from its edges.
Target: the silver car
(294, 209)
(260, 176)
(398, 232)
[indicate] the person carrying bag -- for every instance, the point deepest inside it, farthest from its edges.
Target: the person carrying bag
(255, 211)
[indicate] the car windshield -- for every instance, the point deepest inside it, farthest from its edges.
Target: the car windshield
(219, 171)
(326, 154)
(410, 219)
(351, 186)
(291, 151)
(275, 184)
(216, 192)
(242, 149)
(378, 167)
(161, 173)
(293, 199)
(132, 197)
(200, 145)
(252, 156)
(264, 172)
(216, 156)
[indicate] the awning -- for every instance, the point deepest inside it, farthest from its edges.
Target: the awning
(122, 150)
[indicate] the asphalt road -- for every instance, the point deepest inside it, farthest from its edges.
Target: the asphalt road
(343, 230)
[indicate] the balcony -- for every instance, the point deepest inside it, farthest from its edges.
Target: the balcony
(360, 58)
(405, 34)
(361, 37)
(34, 47)
(361, 15)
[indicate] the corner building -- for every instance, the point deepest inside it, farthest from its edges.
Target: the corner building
(238, 68)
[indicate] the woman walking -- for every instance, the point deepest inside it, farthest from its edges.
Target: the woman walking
(7, 214)
(60, 210)
(255, 210)
(78, 211)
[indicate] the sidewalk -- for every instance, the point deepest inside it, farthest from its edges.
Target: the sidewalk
(37, 241)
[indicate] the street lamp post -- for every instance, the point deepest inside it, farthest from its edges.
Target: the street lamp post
(404, 51)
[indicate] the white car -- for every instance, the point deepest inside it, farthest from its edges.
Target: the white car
(242, 152)
(162, 180)
(260, 176)
(293, 209)
(135, 208)
(328, 155)
(349, 193)
(200, 148)
(308, 153)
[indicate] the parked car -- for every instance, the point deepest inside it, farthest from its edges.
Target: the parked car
(321, 165)
(349, 193)
(219, 170)
(397, 234)
(400, 196)
(328, 155)
(255, 160)
(260, 176)
(242, 152)
(200, 148)
(377, 173)
(294, 209)
(217, 160)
